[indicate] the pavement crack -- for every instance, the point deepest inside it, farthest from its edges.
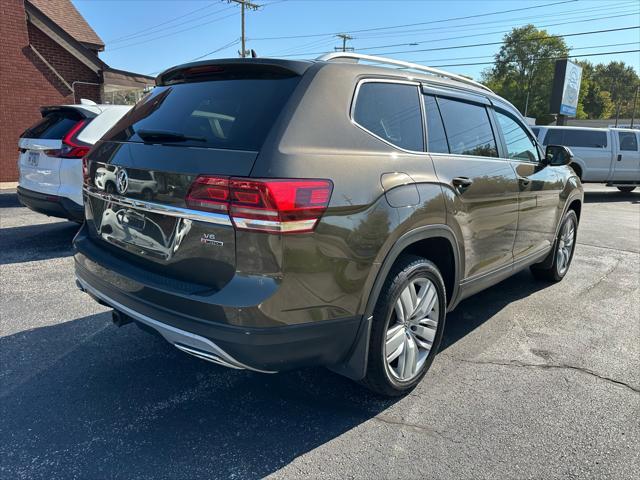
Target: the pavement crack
(562, 366)
(603, 277)
(607, 248)
(413, 426)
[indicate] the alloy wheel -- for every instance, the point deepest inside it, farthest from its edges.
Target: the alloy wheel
(412, 329)
(566, 243)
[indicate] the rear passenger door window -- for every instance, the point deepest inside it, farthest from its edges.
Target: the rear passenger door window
(520, 145)
(628, 141)
(391, 111)
(468, 128)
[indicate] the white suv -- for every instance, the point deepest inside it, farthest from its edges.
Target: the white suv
(51, 151)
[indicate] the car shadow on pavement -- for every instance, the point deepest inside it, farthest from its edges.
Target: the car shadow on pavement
(88, 400)
(476, 310)
(9, 200)
(36, 242)
(612, 196)
(83, 399)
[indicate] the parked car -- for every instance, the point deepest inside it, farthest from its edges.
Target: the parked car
(601, 155)
(333, 220)
(50, 163)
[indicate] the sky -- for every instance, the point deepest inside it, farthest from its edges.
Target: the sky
(148, 36)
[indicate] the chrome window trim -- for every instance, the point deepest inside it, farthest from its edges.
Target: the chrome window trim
(387, 80)
(153, 207)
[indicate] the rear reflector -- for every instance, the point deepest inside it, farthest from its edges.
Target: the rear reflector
(267, 205)
(70, 146)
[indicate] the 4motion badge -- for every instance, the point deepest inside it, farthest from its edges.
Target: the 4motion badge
(210, 239)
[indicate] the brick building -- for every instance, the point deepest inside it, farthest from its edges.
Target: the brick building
(48, 56)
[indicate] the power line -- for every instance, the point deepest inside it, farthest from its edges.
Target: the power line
(135, 34)
(508, 22)
(287, 37)
(491, 56)
(537, 59)
(172, 33)
(584, 20)
(454, 47)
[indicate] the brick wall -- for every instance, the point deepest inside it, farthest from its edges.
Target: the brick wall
(26, 83)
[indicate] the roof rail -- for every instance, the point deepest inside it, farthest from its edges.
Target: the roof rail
(399, 63)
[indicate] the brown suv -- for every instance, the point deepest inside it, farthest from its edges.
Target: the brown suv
(322, 212)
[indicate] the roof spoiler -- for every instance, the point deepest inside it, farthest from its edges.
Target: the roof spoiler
(77, 109)
(234, 67)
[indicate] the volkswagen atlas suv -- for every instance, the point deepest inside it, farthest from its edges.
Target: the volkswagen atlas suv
(326, 212)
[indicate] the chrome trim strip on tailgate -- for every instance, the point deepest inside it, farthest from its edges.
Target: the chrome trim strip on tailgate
(153, 207)
(188, 342)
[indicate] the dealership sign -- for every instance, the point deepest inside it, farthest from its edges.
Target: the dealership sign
(566, 87)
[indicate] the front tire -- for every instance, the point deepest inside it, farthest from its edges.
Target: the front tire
(408, 323)
(626, 189)
(563, 250)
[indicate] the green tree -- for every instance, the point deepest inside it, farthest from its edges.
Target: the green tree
(604, 87)
(524, 68)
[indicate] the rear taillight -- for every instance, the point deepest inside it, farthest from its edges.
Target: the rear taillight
(267, 205)
(70, 146)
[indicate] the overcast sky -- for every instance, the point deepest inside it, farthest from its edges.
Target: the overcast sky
(147, 36)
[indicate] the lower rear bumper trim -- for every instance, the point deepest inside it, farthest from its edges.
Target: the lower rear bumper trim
(185, 341)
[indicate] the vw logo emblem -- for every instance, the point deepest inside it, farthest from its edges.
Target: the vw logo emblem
(122, 181)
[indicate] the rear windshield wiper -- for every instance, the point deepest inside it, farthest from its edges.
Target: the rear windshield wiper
(167, 136)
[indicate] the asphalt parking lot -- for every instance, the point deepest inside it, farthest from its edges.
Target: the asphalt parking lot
(533, 381)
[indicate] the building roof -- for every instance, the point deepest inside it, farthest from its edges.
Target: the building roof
(65, 15)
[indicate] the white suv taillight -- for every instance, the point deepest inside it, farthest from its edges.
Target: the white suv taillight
(266, 205)
(70, 146)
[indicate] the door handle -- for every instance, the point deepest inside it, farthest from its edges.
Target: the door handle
(619, 157)
(461, 183)
(524, 181)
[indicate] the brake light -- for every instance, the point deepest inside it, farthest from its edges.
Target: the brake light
(267, 205)
(70, 146)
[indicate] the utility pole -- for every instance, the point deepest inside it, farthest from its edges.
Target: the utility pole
(635, 102)
(344, 38)
(251, 6)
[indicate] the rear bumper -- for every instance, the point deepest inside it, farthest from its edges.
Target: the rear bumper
(180, 322)
(52, 205)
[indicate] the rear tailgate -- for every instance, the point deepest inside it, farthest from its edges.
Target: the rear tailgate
(137, 178)
(38, 163)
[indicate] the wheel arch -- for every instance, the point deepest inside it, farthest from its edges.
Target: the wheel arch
(416, 241)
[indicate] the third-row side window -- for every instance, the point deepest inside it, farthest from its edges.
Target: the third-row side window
(392, 112)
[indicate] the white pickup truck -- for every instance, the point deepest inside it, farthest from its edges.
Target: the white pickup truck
(601, 155)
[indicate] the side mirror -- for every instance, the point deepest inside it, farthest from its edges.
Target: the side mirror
(557, 155)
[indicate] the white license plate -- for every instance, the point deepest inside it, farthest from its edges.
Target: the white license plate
(33, 159)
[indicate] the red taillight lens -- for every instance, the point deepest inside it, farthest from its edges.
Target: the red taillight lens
(70, 146)
(209, 193)
(268, 205)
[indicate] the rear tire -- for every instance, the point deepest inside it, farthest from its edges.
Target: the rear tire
(626, 189)
(563, 250)
(408, 320)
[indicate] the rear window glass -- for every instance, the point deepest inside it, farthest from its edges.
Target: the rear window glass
(391, 111)
(576, 138)
(228, 113)
(53, 126)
